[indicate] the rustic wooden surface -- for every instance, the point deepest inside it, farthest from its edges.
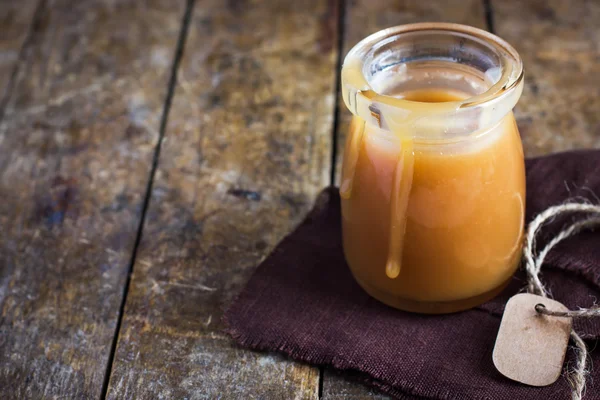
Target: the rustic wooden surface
(339, 386)
(558, 41)
(246, 151)
(76, 145)
(247, 146)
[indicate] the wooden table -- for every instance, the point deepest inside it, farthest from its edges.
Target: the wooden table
(153, 152)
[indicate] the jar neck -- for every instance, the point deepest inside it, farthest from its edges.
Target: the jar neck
(381, 69)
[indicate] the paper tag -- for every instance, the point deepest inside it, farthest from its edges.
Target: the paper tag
(530, 347)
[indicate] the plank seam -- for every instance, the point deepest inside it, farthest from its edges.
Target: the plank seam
(183, 33)
(321, 374)
(338, 86)
(489, 15)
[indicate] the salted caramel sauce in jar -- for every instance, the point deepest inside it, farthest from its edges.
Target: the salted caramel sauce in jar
(433, 176)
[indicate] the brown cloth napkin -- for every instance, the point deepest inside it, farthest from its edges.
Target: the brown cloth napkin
(303, 302)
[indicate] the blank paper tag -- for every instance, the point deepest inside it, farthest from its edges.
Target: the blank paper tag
(530, 347)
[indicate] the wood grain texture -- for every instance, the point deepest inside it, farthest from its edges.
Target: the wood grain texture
(558, 42)
(246, 151)
(363, 17)
(338, 386)
(16, 20)
(76, 145)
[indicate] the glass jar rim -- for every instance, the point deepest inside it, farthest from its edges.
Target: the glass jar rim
(510, 79)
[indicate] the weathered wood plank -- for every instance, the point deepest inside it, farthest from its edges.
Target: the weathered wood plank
(16, 20)
(246, 151)
(337, 386)
(76, 146)
(363, 17)
(558, 42)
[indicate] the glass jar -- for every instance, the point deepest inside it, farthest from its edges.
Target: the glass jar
(433, 181)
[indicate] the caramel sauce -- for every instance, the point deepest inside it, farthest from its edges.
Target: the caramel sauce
(429, 228)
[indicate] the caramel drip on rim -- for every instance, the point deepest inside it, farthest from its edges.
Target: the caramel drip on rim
(403, 176)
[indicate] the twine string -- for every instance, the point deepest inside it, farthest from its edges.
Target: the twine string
(581, 313)
(533, 266)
